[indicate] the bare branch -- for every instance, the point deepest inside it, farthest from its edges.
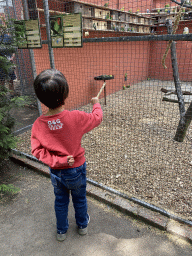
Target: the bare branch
(171, 30)
(169, 92)
(182, 3)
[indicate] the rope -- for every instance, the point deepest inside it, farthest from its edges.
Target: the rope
(175, 27)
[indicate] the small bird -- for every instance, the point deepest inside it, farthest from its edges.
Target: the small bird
(186, 31)
(94, 26)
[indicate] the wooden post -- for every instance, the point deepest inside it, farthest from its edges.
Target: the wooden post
(185, 116)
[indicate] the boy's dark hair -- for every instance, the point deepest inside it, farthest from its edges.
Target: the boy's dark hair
(51, 88)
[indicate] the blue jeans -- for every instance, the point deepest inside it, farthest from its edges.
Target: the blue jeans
(64, 181)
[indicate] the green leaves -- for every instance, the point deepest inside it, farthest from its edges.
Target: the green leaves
(7, 121)
(7, 47)
(10, 188)
(3, 129)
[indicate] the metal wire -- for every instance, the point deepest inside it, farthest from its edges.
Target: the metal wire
(133, 150)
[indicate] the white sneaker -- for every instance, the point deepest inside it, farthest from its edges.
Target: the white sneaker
(61, 237)
(83, 231)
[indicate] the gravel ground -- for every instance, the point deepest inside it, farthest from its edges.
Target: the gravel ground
(133, 149)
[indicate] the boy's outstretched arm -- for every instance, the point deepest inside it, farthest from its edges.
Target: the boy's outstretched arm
(89, 121)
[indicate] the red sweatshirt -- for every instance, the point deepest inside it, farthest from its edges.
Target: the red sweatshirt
(55, 137)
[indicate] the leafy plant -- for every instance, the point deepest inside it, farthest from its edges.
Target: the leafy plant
(19, 27)
(10, 189)
(7, 121)
(5, 64)
(7, 140)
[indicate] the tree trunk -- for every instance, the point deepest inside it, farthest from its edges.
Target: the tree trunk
(185, 119)
(182, 127)
(177, 83)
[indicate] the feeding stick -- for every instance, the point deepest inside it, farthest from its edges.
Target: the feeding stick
(101, 89)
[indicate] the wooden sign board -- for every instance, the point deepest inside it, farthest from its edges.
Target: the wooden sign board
(27, 34)
(33, 34)
(66, 30)
(72, 28)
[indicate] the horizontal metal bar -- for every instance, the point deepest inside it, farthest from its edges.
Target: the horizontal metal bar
(141, 202)
(178, 37)
(19, 153)
(24, 129)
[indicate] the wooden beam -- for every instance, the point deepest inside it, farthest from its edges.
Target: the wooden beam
(169, 92)
(51, 11)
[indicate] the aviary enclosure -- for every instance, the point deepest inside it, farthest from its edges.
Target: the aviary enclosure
(143, 146)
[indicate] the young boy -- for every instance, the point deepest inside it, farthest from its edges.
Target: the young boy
(56, 141)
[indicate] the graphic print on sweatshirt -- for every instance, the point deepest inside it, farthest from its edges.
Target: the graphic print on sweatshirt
(55, 124)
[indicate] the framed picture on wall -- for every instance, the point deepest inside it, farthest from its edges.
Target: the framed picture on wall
(66, 30)
(56, 31)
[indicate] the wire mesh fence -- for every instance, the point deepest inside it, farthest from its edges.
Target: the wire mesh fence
(133, 150)
(20, 78)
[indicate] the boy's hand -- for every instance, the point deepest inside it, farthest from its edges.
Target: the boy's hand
(70, 160)
(94, 100)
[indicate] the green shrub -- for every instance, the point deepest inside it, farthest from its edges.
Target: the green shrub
(7, 121)
(7, 140)
(9, 189)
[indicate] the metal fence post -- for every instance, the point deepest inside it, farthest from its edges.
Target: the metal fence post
(46, 13)
(17, 58)
(8, 11)
(31, 53)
